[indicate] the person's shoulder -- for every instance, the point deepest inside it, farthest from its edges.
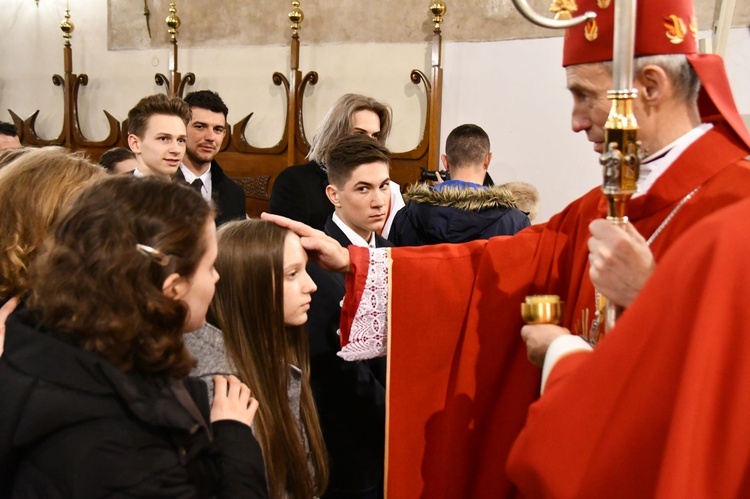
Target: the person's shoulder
(309, 168)
(331, 229)
(293, 178)
(520, 217)
(218, 175)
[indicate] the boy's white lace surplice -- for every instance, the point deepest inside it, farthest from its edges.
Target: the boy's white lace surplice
(368, 338)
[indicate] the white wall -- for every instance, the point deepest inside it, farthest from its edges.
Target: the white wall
(514, 89)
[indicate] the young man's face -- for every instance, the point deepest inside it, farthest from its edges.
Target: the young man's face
(160, 150)
(362, 202)
(205, 133)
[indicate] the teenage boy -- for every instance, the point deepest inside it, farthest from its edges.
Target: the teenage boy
(350, 396)
(157, 134)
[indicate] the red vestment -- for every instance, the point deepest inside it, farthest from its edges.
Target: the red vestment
(660, 408)
(459, 382)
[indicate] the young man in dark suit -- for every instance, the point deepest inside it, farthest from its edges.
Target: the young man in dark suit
(199, 168)
(350, 396)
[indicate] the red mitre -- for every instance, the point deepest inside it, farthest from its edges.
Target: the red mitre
(662, 27)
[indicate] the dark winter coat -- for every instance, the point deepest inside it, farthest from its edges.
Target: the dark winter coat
(456, 215)
(72, 425)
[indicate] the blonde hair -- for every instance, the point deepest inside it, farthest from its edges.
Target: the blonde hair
(338, 122)
(9, 155)
(33, 189)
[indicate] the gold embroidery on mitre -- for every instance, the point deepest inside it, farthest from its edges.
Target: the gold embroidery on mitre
(676, 29)
(603, 4)
(694, 27)
(591, 30)
(563, 8)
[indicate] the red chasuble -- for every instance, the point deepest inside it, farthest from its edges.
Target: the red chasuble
(661, 408)
(459, 383)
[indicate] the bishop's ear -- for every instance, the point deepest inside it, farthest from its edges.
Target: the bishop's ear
(653, 82)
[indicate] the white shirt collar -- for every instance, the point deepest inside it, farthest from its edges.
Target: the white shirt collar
(138, 173)
(652, 169)
(205, 178)
(355, 238)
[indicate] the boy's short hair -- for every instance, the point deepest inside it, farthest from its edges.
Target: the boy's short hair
(115, 155)
(350, 152)
(156, 104)
(466, 145)
(206, 99)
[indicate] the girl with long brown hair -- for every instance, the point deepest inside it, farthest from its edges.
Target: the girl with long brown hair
(261, 306)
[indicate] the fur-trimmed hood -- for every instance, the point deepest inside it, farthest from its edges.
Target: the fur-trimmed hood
(520, 195)
(527, 197)
(462, 198)
(456, 214)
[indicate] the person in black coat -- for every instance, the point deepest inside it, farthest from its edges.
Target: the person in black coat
(199, 168)
(350, 396)
(95, 400)
(299, 192)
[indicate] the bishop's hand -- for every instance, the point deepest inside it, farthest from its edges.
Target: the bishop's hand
(323, 250)
(620, 261)
(538, 338)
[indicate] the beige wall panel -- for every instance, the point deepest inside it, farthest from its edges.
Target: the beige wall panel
(214, 23)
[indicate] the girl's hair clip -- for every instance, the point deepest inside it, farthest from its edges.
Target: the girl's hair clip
(154, 254)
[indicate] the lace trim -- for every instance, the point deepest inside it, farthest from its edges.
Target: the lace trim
(368, 338)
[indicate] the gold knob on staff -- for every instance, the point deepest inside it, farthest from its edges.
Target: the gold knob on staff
(67, 26)
(296, 16)
(173, 22)
(438, 9)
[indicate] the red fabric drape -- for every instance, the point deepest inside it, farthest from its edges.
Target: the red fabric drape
(660, 408)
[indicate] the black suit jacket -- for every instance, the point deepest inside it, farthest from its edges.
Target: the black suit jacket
(299, 192)
(350, 396)
(227, 195)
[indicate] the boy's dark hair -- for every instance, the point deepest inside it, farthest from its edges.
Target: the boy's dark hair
(8, 129)
(115, 155)
(350, 152)
(206, 99)
(156, 104)
(466, 145)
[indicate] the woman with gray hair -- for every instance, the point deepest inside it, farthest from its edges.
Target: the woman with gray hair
(299, 191)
